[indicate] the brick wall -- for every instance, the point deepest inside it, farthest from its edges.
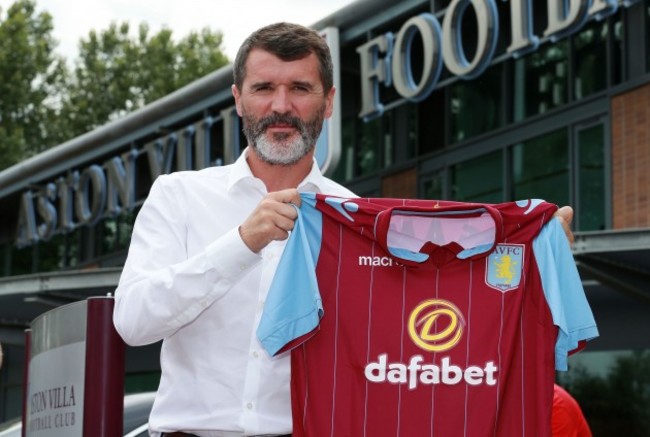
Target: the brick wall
(631, 159)
(403, 185)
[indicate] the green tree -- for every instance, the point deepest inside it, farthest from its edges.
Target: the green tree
(32, 76)
(617, 403)
(45, 102)
(118, 72)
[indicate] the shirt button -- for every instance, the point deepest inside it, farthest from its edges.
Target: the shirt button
(249, 405)
(242, 267)
(255, 354)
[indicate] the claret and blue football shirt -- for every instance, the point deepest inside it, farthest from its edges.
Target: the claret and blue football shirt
(425, 318)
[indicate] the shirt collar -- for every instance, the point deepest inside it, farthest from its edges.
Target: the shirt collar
(241, 172)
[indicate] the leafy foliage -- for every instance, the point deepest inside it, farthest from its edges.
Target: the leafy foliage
(46, 100)
(117, 72)
(31, 78)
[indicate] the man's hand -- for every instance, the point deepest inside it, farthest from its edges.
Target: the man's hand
(272, 219)
(565, 215)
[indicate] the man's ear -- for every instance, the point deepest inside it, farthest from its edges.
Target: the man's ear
(329, 102)
(237, 96)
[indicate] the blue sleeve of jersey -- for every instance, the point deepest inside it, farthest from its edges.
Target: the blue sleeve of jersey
(563, 291)
(293, 306)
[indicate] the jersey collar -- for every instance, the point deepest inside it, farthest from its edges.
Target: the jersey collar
(451, 247)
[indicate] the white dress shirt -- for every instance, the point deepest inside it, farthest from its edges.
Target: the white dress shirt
(190, 281)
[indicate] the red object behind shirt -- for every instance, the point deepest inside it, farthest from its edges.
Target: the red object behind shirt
(567, 419)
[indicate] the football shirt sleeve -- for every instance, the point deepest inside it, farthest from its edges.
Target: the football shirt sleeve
(563, 291)
(293, 307)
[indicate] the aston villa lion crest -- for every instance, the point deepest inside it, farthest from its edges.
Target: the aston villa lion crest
(504, 267)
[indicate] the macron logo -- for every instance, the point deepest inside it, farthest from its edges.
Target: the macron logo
(377, 261)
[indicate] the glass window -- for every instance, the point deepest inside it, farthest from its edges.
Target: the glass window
(431, 116)
(73, 248)
(51, 254)
(412, 122)
(540, 80)
(345, 168)
(591, 179)
(106, 236)
(370, 145)
(479, 179)
(125, 228)
(386, 137)
(618, 59)
(4, 259)
(22, 260)
(433, 187)
(540, 168)
(440, 4)
(590, 57)
(475, 106)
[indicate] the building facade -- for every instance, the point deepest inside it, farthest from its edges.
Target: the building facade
(479, 100)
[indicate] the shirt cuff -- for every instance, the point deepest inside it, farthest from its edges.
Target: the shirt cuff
(230, 256)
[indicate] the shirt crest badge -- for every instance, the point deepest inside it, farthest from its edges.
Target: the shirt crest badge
(504, 267)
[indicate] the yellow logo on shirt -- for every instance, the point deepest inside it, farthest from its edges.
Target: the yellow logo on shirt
(436, 325)
(504, 267)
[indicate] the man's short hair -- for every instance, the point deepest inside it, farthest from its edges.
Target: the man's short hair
(288, 42)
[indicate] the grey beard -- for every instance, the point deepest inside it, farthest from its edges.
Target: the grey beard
(280, 150)
(287, 154)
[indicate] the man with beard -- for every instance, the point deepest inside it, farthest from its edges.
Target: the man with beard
(206, 244)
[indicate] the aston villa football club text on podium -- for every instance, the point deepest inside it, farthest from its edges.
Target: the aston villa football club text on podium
(74, 375)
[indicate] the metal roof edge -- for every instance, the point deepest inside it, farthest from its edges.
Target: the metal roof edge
(614, 240)
(60, 280)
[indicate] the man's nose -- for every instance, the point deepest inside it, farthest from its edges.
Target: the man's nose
(281, 101)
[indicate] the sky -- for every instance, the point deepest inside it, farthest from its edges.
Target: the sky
(236, 19)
